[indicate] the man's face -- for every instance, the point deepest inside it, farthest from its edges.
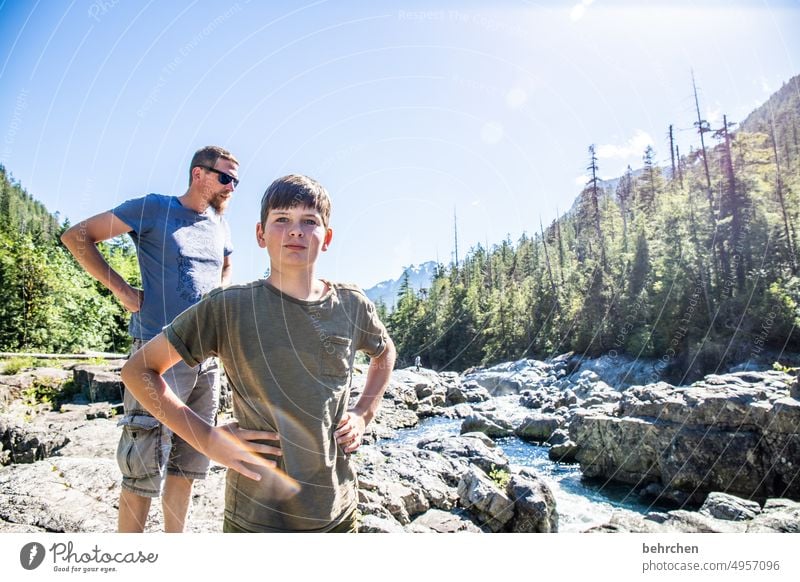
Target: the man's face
(217, 194)
(294, 236)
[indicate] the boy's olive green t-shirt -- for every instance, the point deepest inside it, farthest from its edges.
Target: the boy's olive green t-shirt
(289, 364)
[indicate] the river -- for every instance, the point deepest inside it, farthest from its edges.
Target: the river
(580, 504)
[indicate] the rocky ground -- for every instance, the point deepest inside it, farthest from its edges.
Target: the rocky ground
(699, 446)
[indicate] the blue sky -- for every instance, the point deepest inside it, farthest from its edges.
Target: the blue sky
(405, 111)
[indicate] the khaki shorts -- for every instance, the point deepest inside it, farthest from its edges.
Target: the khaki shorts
(147, 449)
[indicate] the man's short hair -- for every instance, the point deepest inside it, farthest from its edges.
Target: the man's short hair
(208, 156)
(294, 190)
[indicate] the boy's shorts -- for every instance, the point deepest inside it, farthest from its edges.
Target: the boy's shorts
(147, 449)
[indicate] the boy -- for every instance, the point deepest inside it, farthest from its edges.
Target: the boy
(287, 344)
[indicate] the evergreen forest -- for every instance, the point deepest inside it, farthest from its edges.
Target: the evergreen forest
(47, 301)
(694, 264)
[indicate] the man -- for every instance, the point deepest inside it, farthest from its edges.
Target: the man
(183, 246)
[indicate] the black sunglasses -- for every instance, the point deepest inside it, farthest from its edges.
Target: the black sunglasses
(223, 178)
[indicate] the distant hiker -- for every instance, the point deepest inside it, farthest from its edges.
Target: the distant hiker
(288, 344)
(417, 362)
(184, 246)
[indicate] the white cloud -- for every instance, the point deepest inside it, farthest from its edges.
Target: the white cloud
(634, 147)
(581, 180)
(714, 117)
(579, 10)
(492, 132)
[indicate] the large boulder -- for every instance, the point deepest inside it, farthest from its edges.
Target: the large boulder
(735, 433)
(25, 442)
(459, 393)
(534, 504)
(513, 377)
(490, 424)
(777, 516)
(98, 383)
(538, 427)
(438, 521)
(64, 494)
(482, 497)
(730, 507)
(402, 482)
(467, 448)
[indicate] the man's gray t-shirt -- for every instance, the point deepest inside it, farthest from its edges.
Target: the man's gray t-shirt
(181, 253)
(289, 364)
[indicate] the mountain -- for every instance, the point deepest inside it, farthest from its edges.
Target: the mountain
(780, 111)
(419, 277)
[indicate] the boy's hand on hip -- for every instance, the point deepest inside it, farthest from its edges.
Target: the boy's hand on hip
(236, 448)
(350, 431)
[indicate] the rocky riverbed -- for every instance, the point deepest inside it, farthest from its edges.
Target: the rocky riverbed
(724, 451)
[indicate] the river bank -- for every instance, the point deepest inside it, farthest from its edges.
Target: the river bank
(59, 472)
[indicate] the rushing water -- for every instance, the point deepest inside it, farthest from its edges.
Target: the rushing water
(580, 505)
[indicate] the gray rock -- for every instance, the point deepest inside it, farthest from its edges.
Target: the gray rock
(678, 521)
(723, 506)
(777, 516)
(471, 450)
(735, 433)
(440, 521)
(13, 387)
(375, 524)
(403, 502)
(682, 521)
(559, 436)
(618, 370)
(26, 442)
(480, 495)
(538, 427)
(405, 481)
(487, 423)
(98, 383)
(61, 495)
(461, 411)
(534, 504)
(497, 384)
(466, 392)
(532, 399)
(563, 452)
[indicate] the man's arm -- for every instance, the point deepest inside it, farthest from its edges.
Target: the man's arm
(351, 428)
(228, 444)
(227, 271)
(81, 240)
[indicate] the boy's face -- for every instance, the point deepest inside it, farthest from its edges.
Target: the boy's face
(293, 236)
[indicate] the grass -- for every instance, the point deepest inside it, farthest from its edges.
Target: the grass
(17, 364)
(48, 391)
(500, 476)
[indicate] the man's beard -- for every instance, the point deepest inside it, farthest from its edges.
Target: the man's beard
(220, 202)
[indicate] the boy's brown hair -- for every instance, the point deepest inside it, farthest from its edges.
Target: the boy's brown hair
(294, 190)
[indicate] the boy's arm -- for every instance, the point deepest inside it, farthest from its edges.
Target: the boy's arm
(81, 240)
(229, 445)
(351, 428)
